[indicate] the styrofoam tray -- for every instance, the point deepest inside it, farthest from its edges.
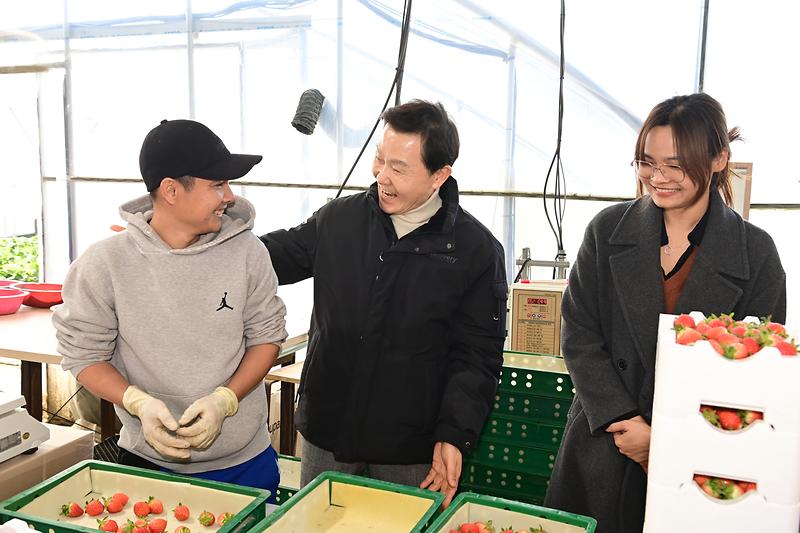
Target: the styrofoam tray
(688, 509)
(687, 376)
(681, 447)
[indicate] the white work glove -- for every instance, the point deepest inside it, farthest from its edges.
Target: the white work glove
(208, 414)
(155, 419)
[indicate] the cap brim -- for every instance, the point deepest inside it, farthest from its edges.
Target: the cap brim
(233, 167)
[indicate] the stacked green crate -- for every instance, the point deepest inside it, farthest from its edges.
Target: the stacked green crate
(517, 448)
(289, 467)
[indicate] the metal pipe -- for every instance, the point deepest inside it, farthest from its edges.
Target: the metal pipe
(339, 91)
(190, 54)
(69, 149)
(466, 192)
(509, 204)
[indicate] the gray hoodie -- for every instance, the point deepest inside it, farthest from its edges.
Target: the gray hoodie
(176, 323)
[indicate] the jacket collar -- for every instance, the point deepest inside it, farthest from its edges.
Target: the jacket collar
(638, 280)
(723, 238)
(443, 221)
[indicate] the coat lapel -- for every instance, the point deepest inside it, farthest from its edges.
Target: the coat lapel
(637, 276)
(721, 255)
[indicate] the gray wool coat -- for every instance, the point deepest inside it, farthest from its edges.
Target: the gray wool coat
(610, 324)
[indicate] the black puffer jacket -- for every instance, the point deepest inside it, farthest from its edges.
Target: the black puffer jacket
(406, 336)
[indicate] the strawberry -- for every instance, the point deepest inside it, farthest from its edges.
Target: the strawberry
(729, 419)
(702, 328)
(739, 331)
(751, 345)
(184, 529)
(181, 512)
(511, 529)
(72, 510)
(725, 489)
(710, 414)
(747, 486)
(113, 505)
(157, 525)
(776, 328)
(786, 347)
(717, 348)
(688, 336)
(94, 507)
(140, 526)
(107, 525)
(485, 527)
(121, 497)
(156, 507)
(468, 528)
(141, 509)
(748, 417)
(206, 518)
(727, 339)
(224, 518)
(739, 350)
(714, 333)
(714, 322)
(683, 321)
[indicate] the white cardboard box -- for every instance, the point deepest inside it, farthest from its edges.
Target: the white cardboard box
(687, 376)
(682, 447)
(688, 509)
(683, 444)
(67, 446)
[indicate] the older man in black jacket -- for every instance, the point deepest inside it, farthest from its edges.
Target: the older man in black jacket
(408, 324)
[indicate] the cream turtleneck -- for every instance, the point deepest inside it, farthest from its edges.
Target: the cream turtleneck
(408, 222)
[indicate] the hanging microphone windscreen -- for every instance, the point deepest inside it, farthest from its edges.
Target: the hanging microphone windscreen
(308, 109)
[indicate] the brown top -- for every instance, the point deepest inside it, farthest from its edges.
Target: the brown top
(674, 282)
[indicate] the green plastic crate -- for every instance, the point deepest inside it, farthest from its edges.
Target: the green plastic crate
(72, 484)
(289, 467)
(515, 380)
(341, 502)
(514, 457)
(522, 431)
(506, 482)
(471, 507)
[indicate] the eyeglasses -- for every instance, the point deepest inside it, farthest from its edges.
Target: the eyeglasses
(647, 171)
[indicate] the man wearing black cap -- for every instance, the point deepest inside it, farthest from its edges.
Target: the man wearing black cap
(176, 321)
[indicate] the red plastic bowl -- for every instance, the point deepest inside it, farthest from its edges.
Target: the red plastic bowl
(41, 294)
(10, 300)
(8, 282)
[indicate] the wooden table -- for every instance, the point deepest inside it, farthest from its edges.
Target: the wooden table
(289, 376)
(30, 337)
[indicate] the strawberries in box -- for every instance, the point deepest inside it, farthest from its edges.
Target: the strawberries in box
(725, 406)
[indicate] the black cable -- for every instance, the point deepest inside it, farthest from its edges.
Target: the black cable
(559, 187)
(401, 55)
(56, 415)
(398, 74)
(519, 274)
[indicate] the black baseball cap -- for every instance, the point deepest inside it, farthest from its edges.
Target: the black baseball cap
(177, 148)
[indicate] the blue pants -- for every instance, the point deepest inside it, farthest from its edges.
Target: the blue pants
(261, 471)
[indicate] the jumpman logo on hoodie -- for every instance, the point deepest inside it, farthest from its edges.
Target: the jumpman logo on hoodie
(223, 304)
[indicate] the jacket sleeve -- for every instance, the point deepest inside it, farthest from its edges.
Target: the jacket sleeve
(265, 314)
(599, 388)
(475, 358)
(292, 251)
(86, 323)
(765, 295)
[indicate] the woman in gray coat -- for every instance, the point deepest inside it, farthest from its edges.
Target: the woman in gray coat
(679, 247)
